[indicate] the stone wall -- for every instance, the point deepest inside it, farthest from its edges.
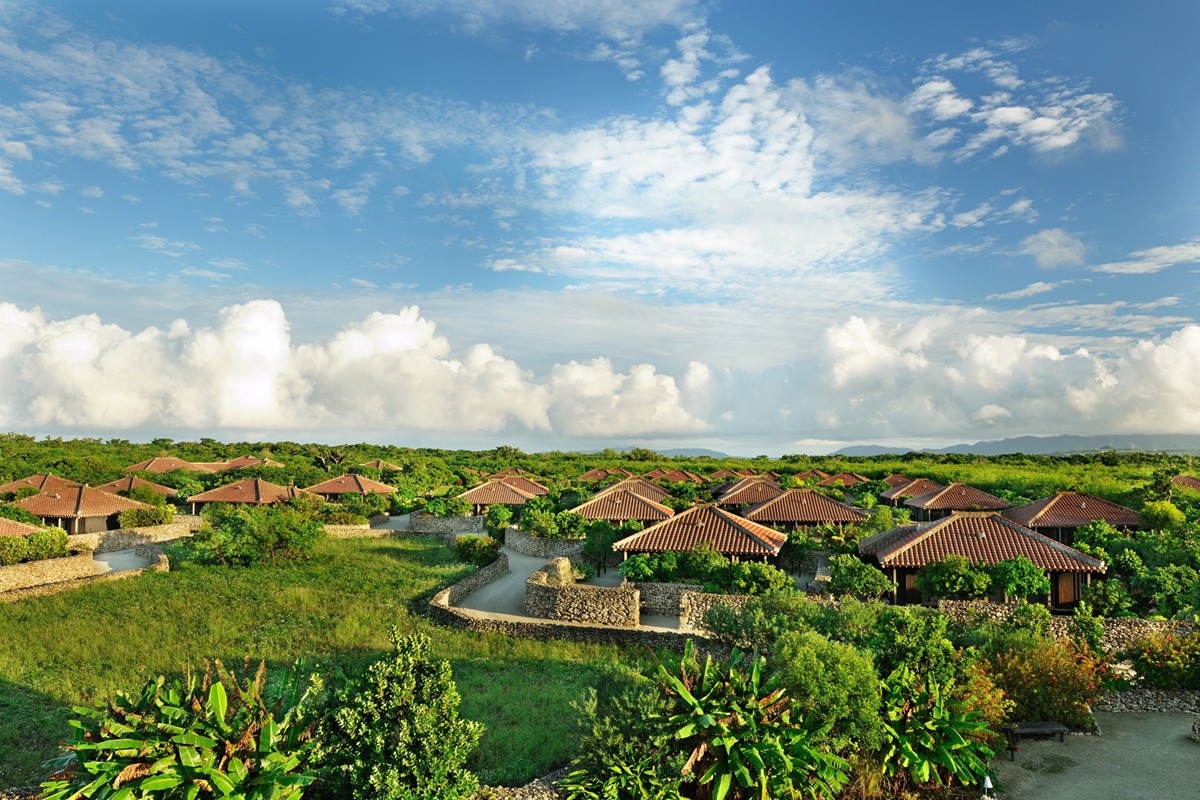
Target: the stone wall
(477, 580)
(1195, 737)
(662, 599)
(1150, 700)
(423, 523)
(125, 538)
(551, 593)
(693, 605)
(192, 521)
(379, 519)
(537, 547)
(355, 531)
(1118, 632)
(49, 570)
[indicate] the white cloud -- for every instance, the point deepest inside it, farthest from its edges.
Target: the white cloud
(92, 191)
(1035, 288)
(1053, 247)
(160, 244)
(1155, 259)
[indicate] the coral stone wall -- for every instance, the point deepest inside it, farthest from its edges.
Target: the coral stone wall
(355, 532)
(1150, 700)
(693, 606)
(423, 523)
(551, 593)
(50, 570)
(539, 547)
(662, 599)
(125, 538)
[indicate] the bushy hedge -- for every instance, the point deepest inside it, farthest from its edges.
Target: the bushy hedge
(256, 535)
(1050, 680)
(37, 546)
(141, 517)
(13, 550)
(1167, 661)
(479, 550)
(710, 569)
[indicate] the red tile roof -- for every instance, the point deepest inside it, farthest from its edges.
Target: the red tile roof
(350, 484)
(253, 491)
(73, 502)
(622, 505)
(42, 482)
(914, 488)
(241, 462)
(161, 464)
(128, 483)
(604, 473)
(10, 527)
(507, 473)
(742, 483)
(895, 480)
(1071, 510)
(526, 485)
(496, 492)
(381, 465)
(722, 530)
(726, 473)
(641, 487)
(843, 479)
(803, 507)
(958, 497)
(749, 491)
(983, 537)
(1187, 482)
(673, 476)
(807, 475)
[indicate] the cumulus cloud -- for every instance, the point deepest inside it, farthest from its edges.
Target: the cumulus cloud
(1053, 247)
(392, 371)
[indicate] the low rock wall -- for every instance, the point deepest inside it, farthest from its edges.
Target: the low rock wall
(1195, 737)
(378, 519)
(662, 599)
(1150, 700)
(49, 570)
(363, 531)
(551, 593)
(423, 523)
(150, 552)
(125, 538)
(1119, 632)
(537, 547)
(193, 521)
(477, 580)
(693, 606)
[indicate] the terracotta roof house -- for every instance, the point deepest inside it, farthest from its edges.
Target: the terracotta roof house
(810, 475)
(241, 462)
(161, 464)
(673, 476)
(722, 530)
(914, 488)
(381, 465)
(248, 491)
(983, 537)
(843, 479)
(131, 482)
(526, 485)
(10, 527)
(802, 508)
(623, 505)
(749, 491)
(508, 473)
(1059, 516)
(896, 479)
(78, 508)
(604, 473)
(42, 482)
(349, 484)
(955, 497)
(641, 487)
(731, 474)
(495, 492)
(742, 483)
(1187, 482)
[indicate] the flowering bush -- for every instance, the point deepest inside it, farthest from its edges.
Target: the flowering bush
(1056, 681)
(1167, 661)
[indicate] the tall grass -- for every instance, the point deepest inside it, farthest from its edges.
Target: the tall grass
(333, 611)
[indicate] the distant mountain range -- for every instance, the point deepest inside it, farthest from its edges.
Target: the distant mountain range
(1046, 445)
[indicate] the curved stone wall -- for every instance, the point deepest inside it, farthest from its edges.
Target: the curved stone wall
(538, 547)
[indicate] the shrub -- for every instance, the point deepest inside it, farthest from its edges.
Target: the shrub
(19, 514)
(144, 494)
(759, 622)
(930, 736)
(832, 681)
(1109, 598)
(571, 524)
(797, 553)
(364, 505)
(598, 547)
(848, 575)
(478, 550)
(916, 638)
(1030, 617)
(253, 536)
(1050, 680)
(395, 733)
(237, 736)
(637, 568)
(1167, 661)
(1085, 627)
(953, 577)
(141, 517)
(333, 516)
(46, 543)
(537, 522)
(498, 517)
(755, 577)
(703, 564)
(13, 550)
(1020, 577)
(1161, 515)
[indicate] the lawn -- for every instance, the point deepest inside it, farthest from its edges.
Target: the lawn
(333, 611)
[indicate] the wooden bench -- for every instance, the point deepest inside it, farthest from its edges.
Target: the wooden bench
(1014, 732)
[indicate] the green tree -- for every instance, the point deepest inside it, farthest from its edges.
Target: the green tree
(954, 577)
(849, 576)
(1161, 515)
(1020, 577)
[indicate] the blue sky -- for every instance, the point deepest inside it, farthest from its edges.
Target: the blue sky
(762, 227)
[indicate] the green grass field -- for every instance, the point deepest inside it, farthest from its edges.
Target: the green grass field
(333, 611)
